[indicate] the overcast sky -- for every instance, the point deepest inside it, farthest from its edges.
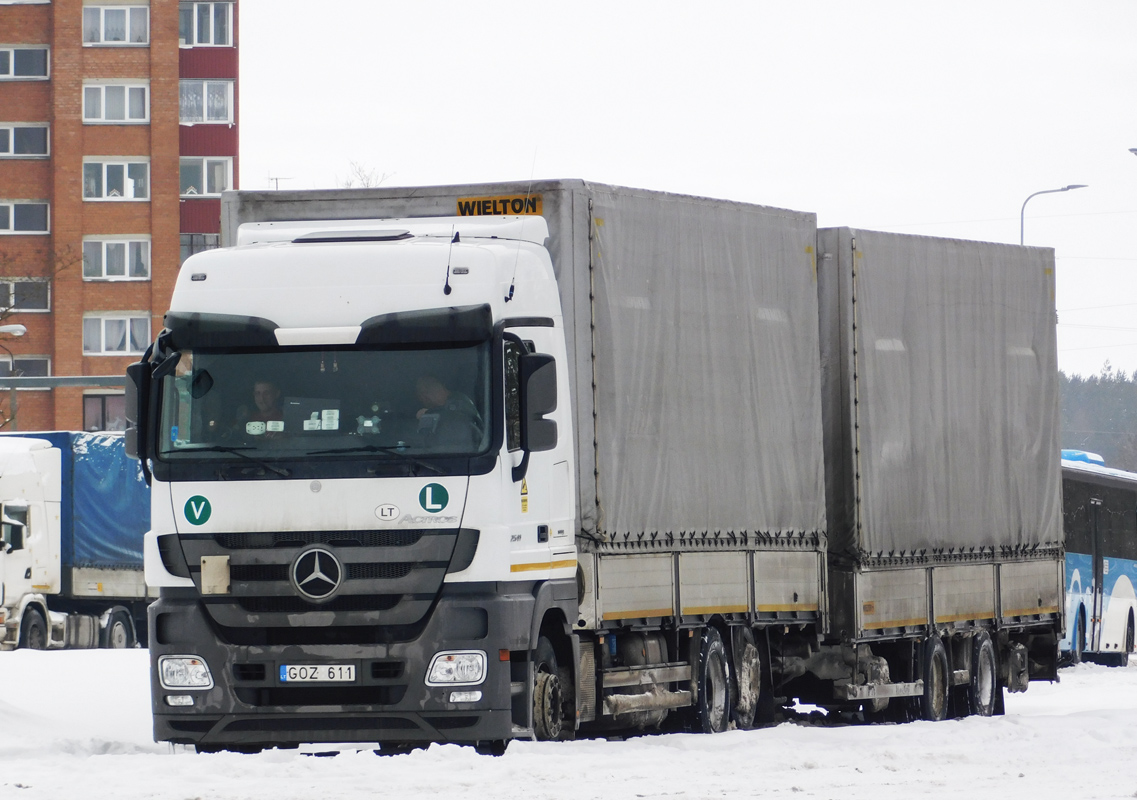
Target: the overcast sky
(928, 118)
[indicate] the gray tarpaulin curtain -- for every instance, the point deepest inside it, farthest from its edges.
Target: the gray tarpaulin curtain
(706, 349)
(956, 406)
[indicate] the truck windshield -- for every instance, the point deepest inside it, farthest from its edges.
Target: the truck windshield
(323, 402)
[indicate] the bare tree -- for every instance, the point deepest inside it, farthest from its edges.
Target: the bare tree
(360, 177)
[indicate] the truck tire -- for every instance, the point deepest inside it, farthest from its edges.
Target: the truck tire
(937, 680)
(1078, 637)
(33, 631)
(747, 674)
(712, 695)
(119, 634)
(984, 683)
(548, 697)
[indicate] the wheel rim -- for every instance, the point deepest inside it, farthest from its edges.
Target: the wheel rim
(37, 635)
(986, 680)
(119, 636)
(716, 692)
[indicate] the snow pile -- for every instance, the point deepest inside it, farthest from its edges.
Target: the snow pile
(77, 725)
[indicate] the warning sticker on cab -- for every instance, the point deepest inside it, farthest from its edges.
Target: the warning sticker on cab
(499, 206)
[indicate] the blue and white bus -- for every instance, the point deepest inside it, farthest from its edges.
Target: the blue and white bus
(1100, 519)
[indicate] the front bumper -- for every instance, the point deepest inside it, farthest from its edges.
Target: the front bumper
(389, 700)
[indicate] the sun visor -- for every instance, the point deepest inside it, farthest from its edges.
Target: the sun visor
(191, 330)
(456, 324)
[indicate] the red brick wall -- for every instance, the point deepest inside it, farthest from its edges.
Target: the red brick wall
(59, 181)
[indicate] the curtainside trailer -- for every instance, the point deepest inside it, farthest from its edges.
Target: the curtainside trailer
(473, 463)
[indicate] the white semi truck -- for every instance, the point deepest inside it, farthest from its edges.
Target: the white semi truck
(73, 510)
(472, 463)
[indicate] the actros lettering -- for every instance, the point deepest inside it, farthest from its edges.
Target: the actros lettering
(411, 519)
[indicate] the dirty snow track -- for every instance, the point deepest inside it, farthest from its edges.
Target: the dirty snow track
(77, 725)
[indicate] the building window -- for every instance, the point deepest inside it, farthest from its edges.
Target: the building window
(115, 334)
(116, 180)
(206, 101)
(23, 63)
(26, 367)
(198, 243)
(25, 294)
(116, 103)
(104, 412)
(23, 216)
(116, 259)
(116, 25)
(20, 140)
(206, 177)
(205, 24)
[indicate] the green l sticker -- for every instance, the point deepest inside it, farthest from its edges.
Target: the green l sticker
(433, 498)
(197, 510)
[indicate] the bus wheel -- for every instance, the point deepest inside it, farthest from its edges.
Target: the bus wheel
(984, 676)
(1078, 645)
(1127, 648)
(934, 703)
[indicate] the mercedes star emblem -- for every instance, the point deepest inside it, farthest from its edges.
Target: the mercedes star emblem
(316, 574)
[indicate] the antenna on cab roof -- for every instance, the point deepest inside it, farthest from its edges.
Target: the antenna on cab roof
(446, 289)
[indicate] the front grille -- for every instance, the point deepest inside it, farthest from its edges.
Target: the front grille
(297, 605)
(246, 573)
(262, 541)
(258, 572)
(321, 695)
(362, 572)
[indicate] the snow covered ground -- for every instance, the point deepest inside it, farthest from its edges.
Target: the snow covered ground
(77, 725)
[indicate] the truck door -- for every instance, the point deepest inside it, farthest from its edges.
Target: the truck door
(1093, 638)
(17, 561)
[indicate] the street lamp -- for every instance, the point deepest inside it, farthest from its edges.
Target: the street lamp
(12, 330)
(1022, 214)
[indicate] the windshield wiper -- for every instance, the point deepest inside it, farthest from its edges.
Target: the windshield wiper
(218, 448)
(375, 448)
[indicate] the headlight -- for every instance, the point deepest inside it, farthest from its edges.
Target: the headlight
(184, 672)
(458, 668)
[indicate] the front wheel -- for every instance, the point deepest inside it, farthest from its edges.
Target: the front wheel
(548, 696)
(33, 631)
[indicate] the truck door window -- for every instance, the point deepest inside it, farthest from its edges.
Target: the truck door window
(15, 519)
(513, 352)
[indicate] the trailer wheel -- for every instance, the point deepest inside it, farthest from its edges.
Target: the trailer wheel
(934, 703)
(119, 634)
(548, 697)
(984, 676)
(747, 686)
(33, 631)
(712, 701)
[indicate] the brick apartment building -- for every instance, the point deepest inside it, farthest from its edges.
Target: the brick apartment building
(118, 132)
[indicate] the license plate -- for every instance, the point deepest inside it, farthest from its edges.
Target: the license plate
(317, 673)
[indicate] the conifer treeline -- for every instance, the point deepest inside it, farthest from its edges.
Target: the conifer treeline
(1099, 414)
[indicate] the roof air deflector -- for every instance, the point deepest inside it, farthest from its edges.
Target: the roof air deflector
(392, 235)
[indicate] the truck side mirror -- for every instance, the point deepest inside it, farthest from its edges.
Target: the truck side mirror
(538, 379)
(137, 404)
